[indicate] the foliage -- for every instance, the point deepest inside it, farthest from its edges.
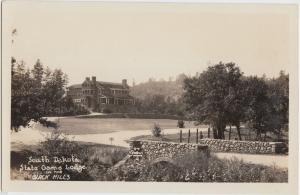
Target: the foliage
(37, 93)
(96, 157)
(258, 104)
(209, 95)
(200, 168)
(222, 96)
(180, 123)
(106, 110)
(267, 104)
(160, 97)
(156, 130)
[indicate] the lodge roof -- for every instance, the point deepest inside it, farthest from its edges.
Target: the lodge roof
(111, 85)
(75, 86)
(103, 84)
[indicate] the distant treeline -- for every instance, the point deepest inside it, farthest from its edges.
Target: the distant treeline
(38, 92)
(160, 97)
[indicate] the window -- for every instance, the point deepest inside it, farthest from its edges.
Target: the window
(103, 100)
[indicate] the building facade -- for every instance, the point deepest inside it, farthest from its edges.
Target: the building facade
(98, 95)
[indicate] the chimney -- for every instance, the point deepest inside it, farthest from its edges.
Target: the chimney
(94, 79)
(87, 78)
(124, 83)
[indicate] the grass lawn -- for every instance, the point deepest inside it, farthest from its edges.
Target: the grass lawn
(77, 126)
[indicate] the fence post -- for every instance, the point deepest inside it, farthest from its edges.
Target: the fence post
(229, 136)
(197, 137)
(180, 136)
(189, 136)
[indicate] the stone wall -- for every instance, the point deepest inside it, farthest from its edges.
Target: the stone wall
(142, 153)
(157, 150)
(252, 147)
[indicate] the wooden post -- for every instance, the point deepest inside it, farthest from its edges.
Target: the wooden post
(189, 136)
(201, 135)
(180, 136)
(229, 136)
(197, 137)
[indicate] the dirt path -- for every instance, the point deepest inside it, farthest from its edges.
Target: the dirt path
(32, 136)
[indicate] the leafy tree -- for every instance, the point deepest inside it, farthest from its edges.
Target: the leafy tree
(258, 109)
(209, 95)
(37, 93)
(236, 103)
(278, 94)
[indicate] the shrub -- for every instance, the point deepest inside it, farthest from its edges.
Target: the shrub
(106, 110)
(156, 130)
(161, 171)
(97, 158)
(180, 123)
(198, 167)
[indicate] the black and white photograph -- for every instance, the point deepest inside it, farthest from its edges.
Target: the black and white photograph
(125, 92)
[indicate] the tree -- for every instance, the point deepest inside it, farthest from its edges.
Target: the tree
(278, 94)
(258, 108)
(209, 95)
(53, 91)
(37, 74)
(236, 104)
(37, 93)
(25, 103)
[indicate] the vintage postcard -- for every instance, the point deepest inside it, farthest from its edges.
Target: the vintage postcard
(149, 97)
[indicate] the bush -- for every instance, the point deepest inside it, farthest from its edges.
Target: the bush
(156, 130)
(180, 123)
(96, 157)
(106, 110)
(198, 167)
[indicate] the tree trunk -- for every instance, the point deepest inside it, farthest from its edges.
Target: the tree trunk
(215, 134)
(220, 131)
(258, 134)
(238, 131)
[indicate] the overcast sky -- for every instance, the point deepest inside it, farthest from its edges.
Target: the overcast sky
(139, 41)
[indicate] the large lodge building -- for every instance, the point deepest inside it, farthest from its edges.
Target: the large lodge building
(98, 95)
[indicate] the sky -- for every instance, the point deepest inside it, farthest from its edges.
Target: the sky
(138, 41)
